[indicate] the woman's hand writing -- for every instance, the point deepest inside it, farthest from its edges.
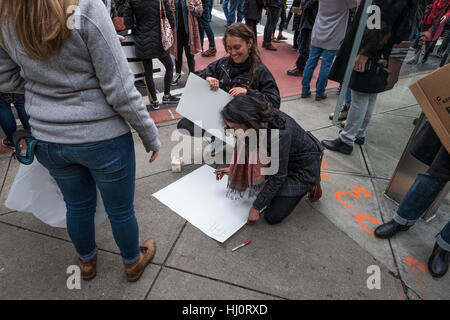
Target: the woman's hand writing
(221, 172)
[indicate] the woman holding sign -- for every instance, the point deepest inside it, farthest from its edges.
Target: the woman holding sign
(239, 73)
(298, 156)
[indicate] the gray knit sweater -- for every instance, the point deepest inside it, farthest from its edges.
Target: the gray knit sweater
(85, 92)
(331, 23)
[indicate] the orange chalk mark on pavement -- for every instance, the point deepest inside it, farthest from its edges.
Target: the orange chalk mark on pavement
(413, 265)
(356, 194)
(360, 217)
(324, 174)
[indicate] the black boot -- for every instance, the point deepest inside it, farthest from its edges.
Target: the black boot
(389, 229)
(338, 145)
(438, 262)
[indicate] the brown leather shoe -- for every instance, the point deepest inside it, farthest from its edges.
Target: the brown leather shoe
(88, 269)
(134, 271)
(305, 95)
(320, 98)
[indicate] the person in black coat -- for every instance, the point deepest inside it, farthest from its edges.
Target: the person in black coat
(370, 73)
(307, 19)
(427, 148)
(143, 17)
(294, 166)
(242, 72)
(252, 13)
(273, 8)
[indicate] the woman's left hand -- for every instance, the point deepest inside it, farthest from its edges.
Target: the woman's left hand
(253, 215)
(237, 91)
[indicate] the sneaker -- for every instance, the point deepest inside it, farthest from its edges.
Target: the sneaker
(210, 52)
(134, 271)
(154, 105)
(176, 79)
(170, 99)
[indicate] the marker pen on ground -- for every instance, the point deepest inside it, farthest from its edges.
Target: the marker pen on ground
(241, 245)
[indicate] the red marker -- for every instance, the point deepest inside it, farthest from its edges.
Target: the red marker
(241, 245)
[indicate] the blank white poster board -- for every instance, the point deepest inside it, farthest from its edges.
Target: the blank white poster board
(200, 103)
(201, 200)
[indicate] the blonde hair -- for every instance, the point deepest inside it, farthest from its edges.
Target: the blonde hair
(40, 25)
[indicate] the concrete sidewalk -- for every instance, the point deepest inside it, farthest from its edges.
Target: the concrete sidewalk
(321, 251)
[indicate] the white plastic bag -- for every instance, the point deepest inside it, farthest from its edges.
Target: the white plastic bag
(34, 190)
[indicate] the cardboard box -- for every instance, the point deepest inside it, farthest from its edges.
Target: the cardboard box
(432, 92)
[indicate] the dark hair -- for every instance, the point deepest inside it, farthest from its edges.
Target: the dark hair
(252, 112)
(240, 30)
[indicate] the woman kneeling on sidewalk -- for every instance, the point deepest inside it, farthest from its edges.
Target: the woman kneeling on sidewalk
(298, 156)
(82, 95)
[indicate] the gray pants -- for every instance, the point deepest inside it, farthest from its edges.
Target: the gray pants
(361, 110)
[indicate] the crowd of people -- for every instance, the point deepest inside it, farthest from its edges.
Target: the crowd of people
(81, 99)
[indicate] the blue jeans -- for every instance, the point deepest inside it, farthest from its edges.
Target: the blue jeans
(419, 197)
(7, 120)
(229, 9)
(311, 64)
(359, 115)
(240, 12)
(78, 169)
(204, 24)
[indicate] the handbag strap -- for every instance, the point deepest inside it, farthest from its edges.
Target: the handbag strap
(162, 8)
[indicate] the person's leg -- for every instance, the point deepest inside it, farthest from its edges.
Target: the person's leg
(311, 64)
(370, 109)
(234, 4)
(187, 52)
(240, 13)
(280, 208)
(322, 80)
(148, 68)
(282, 24)
(443, 238)
(23, 116)
(295, 39)
(252, 25)
(355, 117)
(226, 11)
(7, 121)
(304, 45)
(208, 30)
(201, 27)
(179, 59)
(168, 76)
(267, 32)
(418, 199)
(80, 195)
(445, 55)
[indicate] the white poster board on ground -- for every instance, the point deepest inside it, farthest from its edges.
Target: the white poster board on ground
(201, 200)
(200, 103)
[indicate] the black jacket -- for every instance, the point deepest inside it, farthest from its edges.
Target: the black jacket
(262, 87)
(309, 13)
(144, 18)
(274, 3)
(427, 148)
(376, 44)
(299, 164)
(253, 9)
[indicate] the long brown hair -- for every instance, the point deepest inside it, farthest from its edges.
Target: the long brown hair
(240, 30)
(40, 25)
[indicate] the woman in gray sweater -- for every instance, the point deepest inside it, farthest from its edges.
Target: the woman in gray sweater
(81, 98)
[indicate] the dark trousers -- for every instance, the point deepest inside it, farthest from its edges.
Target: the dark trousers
(295, 40)
(183, 43)
(282, 25)
(186, 124)
(280, 208)
(148, 67)
(272, 18)
(252, 25)
(303, 42)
